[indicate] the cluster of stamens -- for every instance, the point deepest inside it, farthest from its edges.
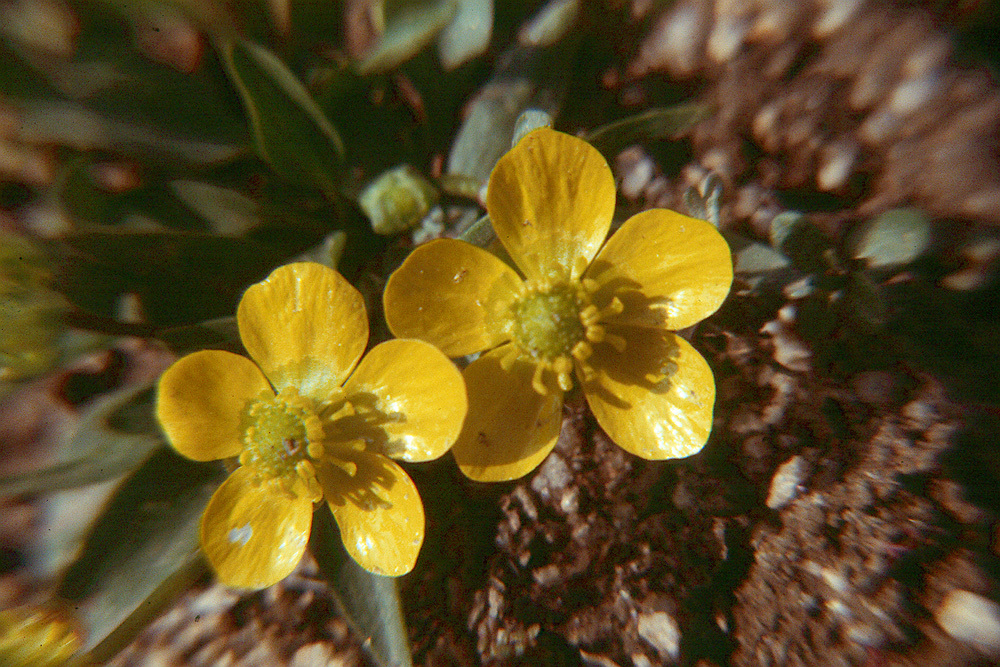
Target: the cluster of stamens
(282, 438)
(553, 325)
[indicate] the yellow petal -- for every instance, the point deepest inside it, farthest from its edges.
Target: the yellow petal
(306, 327)
(410, 401)
(551, 199)
(452, 295)
(669, 270)
(510, 427)
(200, 399)
(656, 398)
(379, 513)
(252, 534)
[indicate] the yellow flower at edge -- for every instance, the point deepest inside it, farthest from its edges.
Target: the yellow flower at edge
(602, 313)
(309, 422)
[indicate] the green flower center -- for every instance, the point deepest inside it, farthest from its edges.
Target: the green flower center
(555, 326)
(547, 324)
(282, 435)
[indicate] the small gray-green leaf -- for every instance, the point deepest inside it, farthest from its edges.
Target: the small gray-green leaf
(410, 25)
(758, 258)
(148, 533)
(468, 34)
(114, 436)
(893, 238)
(551, 23)
(229, 212)
(659, 123)
(291, 132)
(369, 602)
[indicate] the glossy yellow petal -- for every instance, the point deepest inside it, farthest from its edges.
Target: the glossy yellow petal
(656, 398)
(379, 512)
(669, 270)
(306, 327)
(410, 401)
(551, 199)
(253, 534)
(510, 427)
(200, 399)
(452, 295)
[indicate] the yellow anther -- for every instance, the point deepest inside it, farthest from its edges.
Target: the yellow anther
(315, 450)
(580, 265)
(595, 333)
(616, 307)
(590, 315)
(582, 351)
(565, 381)
(589, 285)
(562, 364)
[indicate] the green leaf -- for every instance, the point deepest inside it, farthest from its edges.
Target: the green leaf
(659, 123)
(180, 278)
(410, 25)
(218, 334)
(369, 602)
(893, 238)
(114, 436)
(142, 552)
(292, 134)
(798, 239)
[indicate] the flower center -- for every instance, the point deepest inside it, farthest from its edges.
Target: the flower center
(553, 325)
(282, 435)
(547, 324)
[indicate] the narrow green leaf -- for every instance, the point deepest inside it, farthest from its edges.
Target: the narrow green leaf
(369, 602)
(291, 132)
(218, 334)
(659, 123)
(114, 436)
(144, 544)
(410, 25)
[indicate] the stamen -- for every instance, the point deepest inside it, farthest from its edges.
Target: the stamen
(590, 315)
(616, 307)
(616, 342)
(307, 473)
(508, 359)
(536, 379)
(589, 285)
(565, 381)
(315, 450)
(595, 333)
(562, 364)
(349, 467)
(580, 265)
(582, 351)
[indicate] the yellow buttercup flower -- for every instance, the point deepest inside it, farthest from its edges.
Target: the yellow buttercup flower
(309, 422)
(39, 637)
(603, 315)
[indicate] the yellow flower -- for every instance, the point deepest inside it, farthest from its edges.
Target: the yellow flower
(38, 637)
(604, 314)
(306, 428)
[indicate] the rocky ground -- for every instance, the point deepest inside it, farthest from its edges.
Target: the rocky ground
(844, 511)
